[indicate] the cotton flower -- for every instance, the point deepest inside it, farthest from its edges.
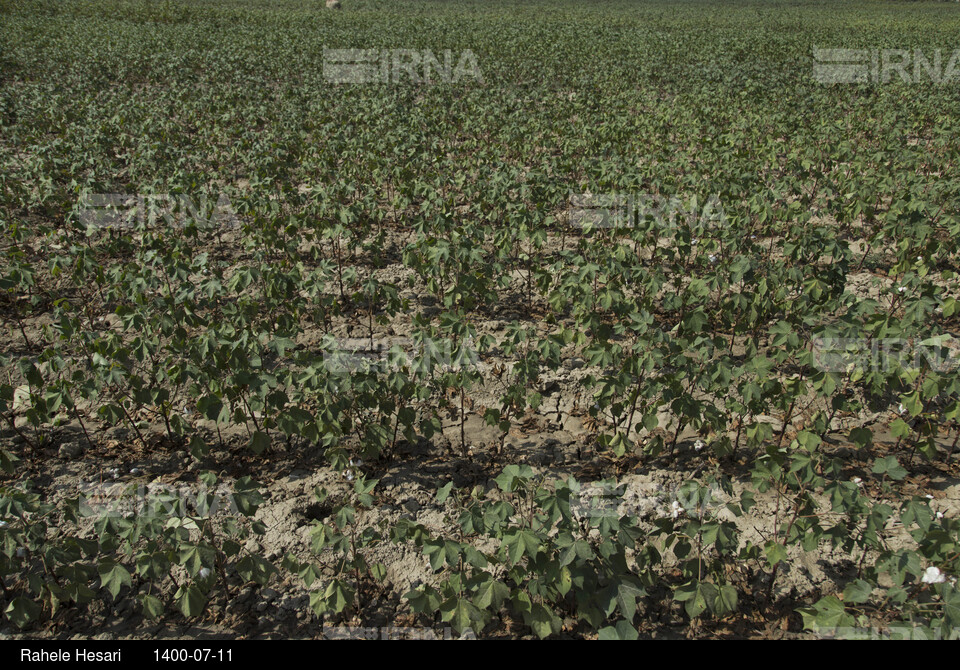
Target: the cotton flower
(933, 576)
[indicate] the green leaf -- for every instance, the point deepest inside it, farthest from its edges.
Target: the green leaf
(425, 600)
(622, 631)
(826, 616)
(627, 594)
(900, 428)
(726, 601)
(913, 403)
(255, 569)
(378, 571)
(22, 611)
(694, 596)
(514, 477)
(113, 577)
(862, 437)
(566, 581)
(259, 442)
(246, 496)
(459, 613)
(775, 552)
(444, 492)
(491, 594)
(857, 591)
(190, 600)
(542, 621)
(152, 606)
(198, 447)
(338, 596)
(951, 606)
(7, 461)
(520, 543)
(890, 467)
(474, 557)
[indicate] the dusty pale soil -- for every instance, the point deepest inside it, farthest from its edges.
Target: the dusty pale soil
(406, 489)
(558, 440)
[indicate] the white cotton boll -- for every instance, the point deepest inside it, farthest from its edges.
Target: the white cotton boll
(699, 445)
(135, 471)
(901, 408)
(933, 576)
(21, 552)
(939, 515)
(3, 524)
(204, 573)
(928, 497)
(857, 481)
(676, 509)
(713, 258)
